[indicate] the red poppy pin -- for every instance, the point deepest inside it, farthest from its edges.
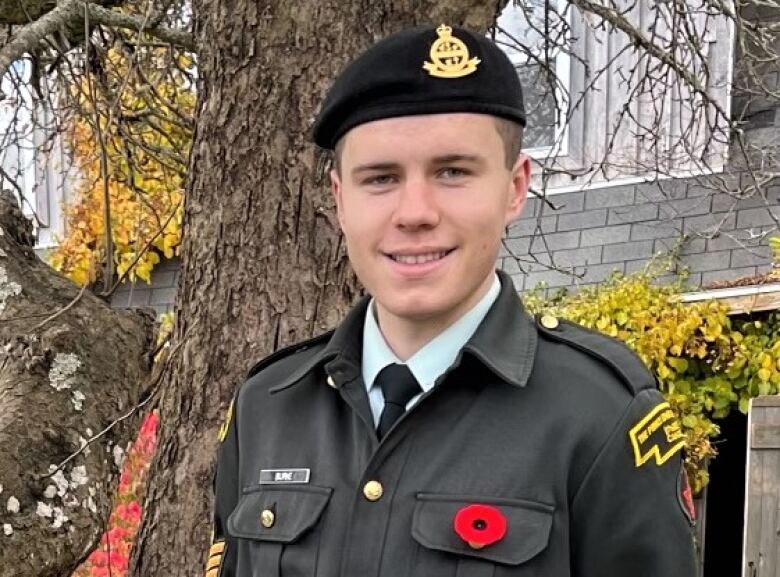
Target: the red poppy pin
(480, 525)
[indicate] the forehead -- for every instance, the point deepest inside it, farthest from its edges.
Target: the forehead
(424, 135)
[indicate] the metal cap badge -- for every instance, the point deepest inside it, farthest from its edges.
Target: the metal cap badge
(450, 56)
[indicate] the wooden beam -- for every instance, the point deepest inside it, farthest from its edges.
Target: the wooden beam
(753, 303)
(741, 300)
(767, 401)
(765, 437)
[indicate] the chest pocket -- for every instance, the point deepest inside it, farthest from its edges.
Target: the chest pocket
(272, 519)
(445, 553)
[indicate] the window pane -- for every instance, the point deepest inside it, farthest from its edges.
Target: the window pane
(521, 25)
(539, 106)
(520, 32)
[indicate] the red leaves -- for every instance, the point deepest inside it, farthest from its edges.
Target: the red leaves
(103, 562)
(480, 525)
(114, 537)
(129, 513)
(111, 558)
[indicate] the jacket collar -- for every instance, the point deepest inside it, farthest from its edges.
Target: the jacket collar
(505, 343)
(340, 356)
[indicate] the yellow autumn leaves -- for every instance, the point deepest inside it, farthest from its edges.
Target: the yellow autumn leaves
(774, 246)
(144, 104)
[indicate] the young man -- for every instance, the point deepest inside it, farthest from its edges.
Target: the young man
(440, 430)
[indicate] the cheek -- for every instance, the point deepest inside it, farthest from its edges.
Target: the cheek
(365, 215)
(488, 232)
(485, 224)
(360, 227)
(350, 211)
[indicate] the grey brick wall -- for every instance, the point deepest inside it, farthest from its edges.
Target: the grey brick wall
(585, 236)
(160, 295)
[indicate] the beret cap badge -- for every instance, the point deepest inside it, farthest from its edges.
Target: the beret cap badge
(450, 56)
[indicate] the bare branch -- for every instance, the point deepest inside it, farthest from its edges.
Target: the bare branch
(100, 15)
(29, 37)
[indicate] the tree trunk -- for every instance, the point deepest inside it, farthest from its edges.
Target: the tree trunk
(64, 378)
(263, 261)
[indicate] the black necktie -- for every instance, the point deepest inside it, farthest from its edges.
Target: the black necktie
(398, 386)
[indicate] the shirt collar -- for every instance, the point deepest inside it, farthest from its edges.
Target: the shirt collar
(433, 359)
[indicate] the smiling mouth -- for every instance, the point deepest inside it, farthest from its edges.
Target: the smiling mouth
(419, 258)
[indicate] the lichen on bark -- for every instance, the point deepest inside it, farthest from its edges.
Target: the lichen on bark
(61, 377)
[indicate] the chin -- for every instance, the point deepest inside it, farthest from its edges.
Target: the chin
(416, 309)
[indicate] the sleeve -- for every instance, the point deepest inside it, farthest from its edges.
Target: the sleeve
(222, 554)
(632, 514)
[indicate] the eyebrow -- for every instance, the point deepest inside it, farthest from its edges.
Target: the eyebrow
(447, 158)
(444, 159)
(376, 166)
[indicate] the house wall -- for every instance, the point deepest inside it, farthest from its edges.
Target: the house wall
(596, 232)
(160, 294)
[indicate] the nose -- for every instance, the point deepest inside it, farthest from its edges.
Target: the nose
(417, 205)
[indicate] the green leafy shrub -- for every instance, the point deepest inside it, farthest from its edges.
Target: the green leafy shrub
(706, 362)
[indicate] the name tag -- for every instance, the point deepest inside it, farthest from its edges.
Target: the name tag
(277, 476)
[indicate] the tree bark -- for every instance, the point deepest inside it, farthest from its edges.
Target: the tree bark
(69, 367)
(263, 260)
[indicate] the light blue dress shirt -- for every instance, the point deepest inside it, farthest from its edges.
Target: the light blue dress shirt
(429, 362)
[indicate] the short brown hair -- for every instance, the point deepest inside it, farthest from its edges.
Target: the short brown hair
(511, 134)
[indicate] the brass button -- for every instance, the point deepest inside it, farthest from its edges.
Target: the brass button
(373, 490)
(549, 322)
(267, 518)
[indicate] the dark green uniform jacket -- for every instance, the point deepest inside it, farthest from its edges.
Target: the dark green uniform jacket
(559, 431)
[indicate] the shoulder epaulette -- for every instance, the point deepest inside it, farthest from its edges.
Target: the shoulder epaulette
(287, 351)
(622, 360)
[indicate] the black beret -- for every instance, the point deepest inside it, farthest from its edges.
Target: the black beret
(422, 70)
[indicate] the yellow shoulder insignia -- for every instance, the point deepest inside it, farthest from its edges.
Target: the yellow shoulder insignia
(224, 428)
(656, 435)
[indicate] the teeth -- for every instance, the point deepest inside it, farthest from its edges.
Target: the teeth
(418, 258)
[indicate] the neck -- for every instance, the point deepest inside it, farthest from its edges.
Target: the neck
(407, 335)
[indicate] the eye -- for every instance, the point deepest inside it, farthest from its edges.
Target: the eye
(379, 180)
(454, 172)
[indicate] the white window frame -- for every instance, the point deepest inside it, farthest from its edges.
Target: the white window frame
(570, 149)
(42, 174)
(17, 157)
(560, 146)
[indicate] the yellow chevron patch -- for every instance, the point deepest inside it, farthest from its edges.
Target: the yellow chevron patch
(657, 436)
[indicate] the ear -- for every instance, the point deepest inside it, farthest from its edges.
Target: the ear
(336, 189)
(518, 188)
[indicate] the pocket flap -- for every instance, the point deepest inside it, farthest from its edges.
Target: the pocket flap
(527, 531)
(295, 510)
